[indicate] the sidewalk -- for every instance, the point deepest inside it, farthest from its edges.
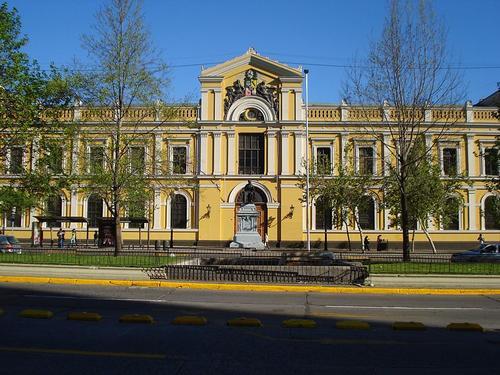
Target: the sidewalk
(400, 284)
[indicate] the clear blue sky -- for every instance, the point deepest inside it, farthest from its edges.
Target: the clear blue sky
(305, 32)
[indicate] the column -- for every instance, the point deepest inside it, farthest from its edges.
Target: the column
(469, 111)
(203, 152)
(299, 152)
(157, 209)
(74, 205)
(231, 160)
(218, 105)
(217, 148)
(472, 208)
(298, 105)
(74, 154)
(204, 104)
(471, 160)
(285, 101)
(271, 151)
(387, 154)
(284, 153)
(343, 143)
(157, 160)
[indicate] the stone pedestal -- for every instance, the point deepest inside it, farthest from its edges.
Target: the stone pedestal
(246, 235)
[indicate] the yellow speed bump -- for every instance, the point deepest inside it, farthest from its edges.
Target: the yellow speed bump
(299, 323)
(352, 324)
(244, 322)
(137, 318)
(465, 327)
(36, 314)
(190, 320)
(84, 316)
(408, 326)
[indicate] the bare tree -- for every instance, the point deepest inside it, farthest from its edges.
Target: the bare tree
(122, 97)
(408, 71)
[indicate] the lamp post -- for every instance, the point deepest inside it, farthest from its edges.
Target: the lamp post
(308, 231)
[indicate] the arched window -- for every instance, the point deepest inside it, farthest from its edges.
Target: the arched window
(451, 221)
(366, 213)
(491, 208)
(54, 208)
(323, 214)
(94, 210)
(179, 211)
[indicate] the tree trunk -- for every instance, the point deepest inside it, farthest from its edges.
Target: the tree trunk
(429, 238)
(348, 235)
(118, 235)
(405, 226)
(413, 241)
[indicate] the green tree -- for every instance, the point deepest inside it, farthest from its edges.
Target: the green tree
(30, 104)
(430, 196)
(342, 193)
(407, 69)
(129, 73)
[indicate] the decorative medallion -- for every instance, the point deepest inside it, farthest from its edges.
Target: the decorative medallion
(250, 87)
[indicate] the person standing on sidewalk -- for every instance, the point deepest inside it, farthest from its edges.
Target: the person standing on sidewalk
(481, 239)
(60, 238)
(72, 241)
(366, 244)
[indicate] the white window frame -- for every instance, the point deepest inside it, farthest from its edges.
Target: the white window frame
(332, 158)
(102, 145)
(63, 157)
(454, 145)
(460, 217)
(188, 209)
(64, 209)
(483, 213)
(171, 147)
(9, 158)
(483, 146)
(86, 207)
(130, 156)
(366, 144)
(375, 214)
(6, 220)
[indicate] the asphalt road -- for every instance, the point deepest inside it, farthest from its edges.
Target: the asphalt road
(59, 346)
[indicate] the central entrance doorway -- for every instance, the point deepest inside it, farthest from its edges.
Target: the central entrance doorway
(261, 205)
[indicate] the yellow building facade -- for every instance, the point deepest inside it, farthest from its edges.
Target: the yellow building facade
(250, 125)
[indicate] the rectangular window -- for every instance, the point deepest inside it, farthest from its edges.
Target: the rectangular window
(491, 161)
(14, 219)
(179, 160)
(324, 160)
(251, 154)
(96, 159)
(450, 161)
(137, 160)
(16, 160)
(55, 156)
(366, 159)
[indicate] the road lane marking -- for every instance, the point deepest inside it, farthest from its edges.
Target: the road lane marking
(401, 307)
(83, 352)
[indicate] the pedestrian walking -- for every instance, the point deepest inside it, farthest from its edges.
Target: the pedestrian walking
(366, 244)
(95, 238)
(60, 238)
(481, 239)
(72, 241)
(266, 241)
(379, 242)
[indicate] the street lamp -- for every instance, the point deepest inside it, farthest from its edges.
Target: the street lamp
(306, 72)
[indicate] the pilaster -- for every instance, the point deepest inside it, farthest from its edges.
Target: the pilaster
(299, 152)
(472, 205)
(271, 152)
(284, 153)
(231, 160)
(217, 148)
(203, 152)
(471, 160)
(157, 209)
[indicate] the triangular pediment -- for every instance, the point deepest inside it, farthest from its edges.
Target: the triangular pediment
(252, 59)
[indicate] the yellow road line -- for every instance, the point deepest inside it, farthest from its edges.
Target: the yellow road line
(83, 352)
(249, 287)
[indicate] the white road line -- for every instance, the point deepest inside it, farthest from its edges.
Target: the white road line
(402, 307)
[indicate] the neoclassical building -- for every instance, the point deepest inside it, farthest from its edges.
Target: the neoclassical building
(250, 125)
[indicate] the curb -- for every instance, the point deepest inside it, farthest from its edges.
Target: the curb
(246, 287)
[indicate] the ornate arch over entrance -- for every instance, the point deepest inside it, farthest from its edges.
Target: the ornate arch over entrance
(260, 201)
(250, 102)
(237, 189)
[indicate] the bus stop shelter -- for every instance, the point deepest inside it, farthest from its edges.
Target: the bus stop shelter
(107, 235)
(57, 219)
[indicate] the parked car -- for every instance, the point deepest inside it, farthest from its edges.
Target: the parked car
(9, 244)
(484, 253)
